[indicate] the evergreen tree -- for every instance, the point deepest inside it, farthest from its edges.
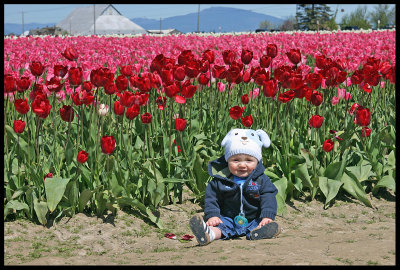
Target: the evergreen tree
(308, 16)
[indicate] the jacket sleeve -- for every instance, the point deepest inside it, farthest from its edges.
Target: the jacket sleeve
(268, 201)
(211, 204)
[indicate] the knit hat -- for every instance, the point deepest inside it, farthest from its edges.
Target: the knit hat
(245, 141)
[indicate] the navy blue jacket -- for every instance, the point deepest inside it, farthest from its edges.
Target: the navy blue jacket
(222, 197)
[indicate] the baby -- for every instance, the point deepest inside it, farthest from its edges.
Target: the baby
(240, 199)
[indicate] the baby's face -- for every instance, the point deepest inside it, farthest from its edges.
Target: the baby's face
(242, 165)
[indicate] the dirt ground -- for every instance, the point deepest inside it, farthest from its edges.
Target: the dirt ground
(348, 233)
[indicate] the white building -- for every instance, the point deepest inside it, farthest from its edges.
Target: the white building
(99, 20)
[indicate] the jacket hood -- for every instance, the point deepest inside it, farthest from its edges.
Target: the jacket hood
(219, 169)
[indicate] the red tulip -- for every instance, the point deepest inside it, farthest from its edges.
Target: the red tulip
(36, 68)
(82, 156)
(75, 76)
(85, 97)
(146, 118)
(70, 53)
(270, 88)
(328, 145)
(54, 85)
(67, 113)
(87, 86)
(316, 121)
(110, 88)
(19, 126)
(179, 73)
(10, 83)
(236, 112)
(265, 61)
(294, 56)
(192, 68)
(49, 175)
(232, 74)
(316, 98)
(314, 80)
(188, 90)
(272, 50)
(121, 82)
(185, 56)
(286, 96)
(41, 106)
(228, 56)
(203, 79)
(171, 89)
(180, 124)
(21, 106)
(107, 144)
(245, 99)
(209, 56)
(219, 72)
(246, 56)
(353, 108)
(247, 121)
(356, 77)
(60, 70)
(365, 132)
(101, 76)
(126, 70)
(144, 84)
(118, 108)
(132, 111)
(167, 75)
(23, 84)
(127, 99)
(363, 116)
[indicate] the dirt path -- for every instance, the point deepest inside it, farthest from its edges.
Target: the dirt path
(345, 234)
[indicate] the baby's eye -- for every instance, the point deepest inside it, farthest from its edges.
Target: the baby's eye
(236, 133)
(252, 134)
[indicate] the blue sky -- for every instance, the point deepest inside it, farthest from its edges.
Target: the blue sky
(44, 13)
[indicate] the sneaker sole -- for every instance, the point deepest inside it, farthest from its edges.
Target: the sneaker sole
(267, 231)
(196, 224)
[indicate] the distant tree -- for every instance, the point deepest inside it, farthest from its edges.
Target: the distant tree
(358, 18)
(309, 15)
(266, 25)
(384, 14)
(289, 24)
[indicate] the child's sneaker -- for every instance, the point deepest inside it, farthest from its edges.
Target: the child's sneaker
(267, 231)
(197, 225)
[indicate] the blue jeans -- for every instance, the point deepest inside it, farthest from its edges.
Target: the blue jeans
(230, 229)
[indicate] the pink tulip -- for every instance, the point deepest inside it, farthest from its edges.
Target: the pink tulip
(335, 100)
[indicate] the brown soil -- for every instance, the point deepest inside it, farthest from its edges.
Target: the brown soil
(347, 233)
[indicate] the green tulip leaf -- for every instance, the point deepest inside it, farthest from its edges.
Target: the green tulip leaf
(16, 205)
(387, 182)
(354, 188)
(40, 210)
(361, 172)
(55, 188)
(329, 188)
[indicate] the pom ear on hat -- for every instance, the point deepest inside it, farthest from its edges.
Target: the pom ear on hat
(226, 138)
(263, 137)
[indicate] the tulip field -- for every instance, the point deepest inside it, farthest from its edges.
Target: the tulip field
(101, 123)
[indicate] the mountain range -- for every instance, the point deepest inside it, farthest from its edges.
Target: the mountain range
(214, 19)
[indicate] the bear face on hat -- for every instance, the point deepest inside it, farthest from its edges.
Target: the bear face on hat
(245, 141)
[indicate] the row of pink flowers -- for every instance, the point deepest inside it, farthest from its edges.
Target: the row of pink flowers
(350, 49)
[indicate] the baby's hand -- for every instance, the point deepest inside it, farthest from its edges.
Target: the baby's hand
(264, 221)
(214, 221)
